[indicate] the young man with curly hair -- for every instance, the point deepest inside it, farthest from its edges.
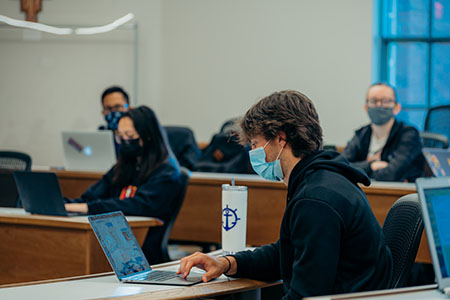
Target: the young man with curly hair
(330, 241)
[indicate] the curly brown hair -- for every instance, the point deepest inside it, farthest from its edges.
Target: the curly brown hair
(290, 112)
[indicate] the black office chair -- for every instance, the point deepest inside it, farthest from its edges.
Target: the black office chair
(437, 120)
(184, 176)
(11, 161)
(434, 140)
(184, 145)
(15, 161)
(402, 230)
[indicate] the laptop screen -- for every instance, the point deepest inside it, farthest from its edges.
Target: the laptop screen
(438, 160)
(438, 202)
(119, 243)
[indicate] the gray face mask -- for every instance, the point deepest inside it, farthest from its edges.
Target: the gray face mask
(380, 115)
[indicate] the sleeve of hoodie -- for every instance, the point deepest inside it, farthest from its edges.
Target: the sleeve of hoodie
(261, 264)
(151, 198)
(352, 152)
(315, 230)
(409, 148)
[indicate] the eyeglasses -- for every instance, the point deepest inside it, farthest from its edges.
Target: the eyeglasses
(115, 108)
(383, 102)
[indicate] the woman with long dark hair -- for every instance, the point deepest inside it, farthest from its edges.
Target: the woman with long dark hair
(145, 180)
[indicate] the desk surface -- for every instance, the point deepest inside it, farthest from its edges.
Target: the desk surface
(107, 285)
(429, 292)
(19, 216)
(36, 247)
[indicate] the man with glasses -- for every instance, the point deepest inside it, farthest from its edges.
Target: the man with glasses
(115, 103)
(387, 149)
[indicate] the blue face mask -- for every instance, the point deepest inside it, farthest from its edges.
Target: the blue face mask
(112, 119)
(267, 170)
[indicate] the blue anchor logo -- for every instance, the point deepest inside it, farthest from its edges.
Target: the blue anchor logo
(229, 213)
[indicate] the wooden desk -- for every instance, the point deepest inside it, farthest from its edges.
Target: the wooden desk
(199, 219)
(36, 247)
(107, 286)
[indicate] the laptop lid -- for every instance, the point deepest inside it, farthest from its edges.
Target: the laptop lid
(9, 194)
(119, 244)
(434, 197)
(40, 193)
(438, 160)
(88, 151)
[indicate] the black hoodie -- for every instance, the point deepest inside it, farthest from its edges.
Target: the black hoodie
(403, 152)
(330, 241)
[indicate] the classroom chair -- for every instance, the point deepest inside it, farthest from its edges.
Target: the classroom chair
(13, 160)
(434, 140)
(402, 230)
(437, 120)
(184, 176)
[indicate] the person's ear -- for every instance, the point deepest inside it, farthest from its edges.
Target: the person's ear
(365, 107)
(281, 138)
(397, 108)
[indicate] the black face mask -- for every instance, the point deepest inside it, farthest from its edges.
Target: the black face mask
(130, 148)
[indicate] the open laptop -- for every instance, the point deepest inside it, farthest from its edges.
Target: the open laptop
(434, 197)
(125, 255)
(9, 194)
(40, 193)
(438, 161)
(88, 151)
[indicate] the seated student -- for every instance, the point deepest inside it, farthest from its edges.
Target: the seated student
(115, 103)
(387, 149)
(330, 241)
(145, 180)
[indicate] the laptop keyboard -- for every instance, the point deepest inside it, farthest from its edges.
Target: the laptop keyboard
(155, 275)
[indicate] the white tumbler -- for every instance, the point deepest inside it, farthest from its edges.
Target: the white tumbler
(234, 218)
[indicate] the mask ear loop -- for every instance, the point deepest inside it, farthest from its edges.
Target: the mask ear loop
(279, 153)
(266, 144)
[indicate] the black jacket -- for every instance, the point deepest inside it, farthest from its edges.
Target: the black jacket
(403, 152)
(330, 241)
(155, 198)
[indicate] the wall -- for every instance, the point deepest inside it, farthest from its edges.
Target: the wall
(200, 62)
(54, 84)
(220, 57)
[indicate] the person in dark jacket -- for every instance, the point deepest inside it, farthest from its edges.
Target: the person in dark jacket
(144, 182)
(386, 149)
(330, 242)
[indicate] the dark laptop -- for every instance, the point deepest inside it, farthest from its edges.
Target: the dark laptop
(438, 161)
(125, 255)
(434, 197)
(9, 194)
(40, 193)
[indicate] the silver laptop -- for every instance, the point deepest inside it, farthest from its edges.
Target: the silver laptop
(125, 255)
(88, 151)
(434, 196)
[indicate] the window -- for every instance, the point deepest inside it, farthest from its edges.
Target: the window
(412, 53)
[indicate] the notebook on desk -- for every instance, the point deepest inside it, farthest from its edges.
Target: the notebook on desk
(434, 197)
(125, 255)
(40, 193)
(88, 151)
(438, 161)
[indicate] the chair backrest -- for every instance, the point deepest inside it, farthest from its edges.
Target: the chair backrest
(15, 161)
(184, 177)
(402, 229)
(433, 140)
(184, 145)
(437, 120)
